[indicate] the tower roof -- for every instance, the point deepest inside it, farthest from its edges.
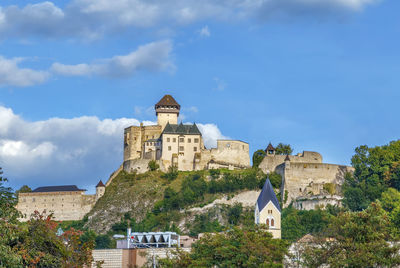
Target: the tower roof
(287, 158)
(100, 184)
(267, 194)
(168, 100)
(270, 148)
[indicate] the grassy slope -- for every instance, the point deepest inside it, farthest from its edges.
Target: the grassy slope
(136, 194)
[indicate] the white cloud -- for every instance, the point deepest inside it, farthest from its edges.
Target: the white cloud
(92, 18)
(204, 32)
(13, 75)
(57, 151)
(154, 56)
(211, 134)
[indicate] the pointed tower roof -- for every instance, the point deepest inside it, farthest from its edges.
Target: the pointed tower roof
(267, 194)
(270, 148)
(287, 158)
(181, 129)
(100, 184)
(194, 130)
(168, 100)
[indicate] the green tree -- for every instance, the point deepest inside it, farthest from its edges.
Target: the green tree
(153, 165)
(283, 149)
(9, 230)
(236, 247)
(390, 199)
(258, 157)
(172, 173)
(356, 239)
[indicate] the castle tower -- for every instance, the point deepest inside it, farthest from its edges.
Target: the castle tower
(268, 211)
(100, 189)
(167, 111)
(270, 149)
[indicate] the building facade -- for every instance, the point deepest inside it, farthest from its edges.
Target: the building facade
(66, 202)
(179, 145)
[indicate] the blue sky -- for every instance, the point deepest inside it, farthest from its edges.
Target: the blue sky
(321, 75)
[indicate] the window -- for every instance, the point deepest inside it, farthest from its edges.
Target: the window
(174, 140)
(196, 140)
(168, 139)
(33, 199)
(268, 222)
(169, 148)
(147, 136)
(189, 140)
(181, 140)
(272, 222)
(181, 148)
(195, 149)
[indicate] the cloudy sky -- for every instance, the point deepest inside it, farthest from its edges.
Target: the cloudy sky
(320, 75)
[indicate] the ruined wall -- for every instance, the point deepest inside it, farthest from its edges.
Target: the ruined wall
(65, 205)
(304, 180)
(271, 162)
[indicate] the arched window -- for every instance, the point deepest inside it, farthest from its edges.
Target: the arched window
(268, 222)
(272, 222)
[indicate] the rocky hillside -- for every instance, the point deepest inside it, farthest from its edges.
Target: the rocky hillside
(143, 199)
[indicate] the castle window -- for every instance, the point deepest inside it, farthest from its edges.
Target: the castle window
(147, 136)
(174, 140)
(181, 140)
(169, 148)
(135, 138)
(300, 189)
(195, 149)
(196, 140)
(181, 148)
(168, 139)
(189, 140)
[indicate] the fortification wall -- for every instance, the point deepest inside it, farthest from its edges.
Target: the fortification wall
(134, 138)
(231, 152)
(302, 180)
(65, 205)
(271, 162)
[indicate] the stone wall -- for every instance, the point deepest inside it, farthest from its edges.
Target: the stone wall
(304, 180)
(271, 162)
(134, 138)
(65, 205)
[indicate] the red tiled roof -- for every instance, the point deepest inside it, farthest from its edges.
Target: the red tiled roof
(100, 184)
(168, 100)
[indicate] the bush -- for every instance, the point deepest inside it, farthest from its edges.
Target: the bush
(153, 165)
(172, 173)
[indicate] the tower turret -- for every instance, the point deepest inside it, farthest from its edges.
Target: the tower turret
(100, 189)
(167, 111)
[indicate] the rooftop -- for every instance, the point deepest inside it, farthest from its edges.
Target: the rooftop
(60, 188)
(168, 100)
(267, 194)
(181, 129)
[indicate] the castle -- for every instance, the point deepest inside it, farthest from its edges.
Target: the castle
(172, 144)
(66, 202)
(307, 182)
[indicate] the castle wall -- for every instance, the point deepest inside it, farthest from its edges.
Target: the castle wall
(231, 152)
(65, 205)
(164, 118)
(271, 162)
(134, 138)
(302, 180)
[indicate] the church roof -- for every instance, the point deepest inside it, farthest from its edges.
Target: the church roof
(61, 188)
(270, 148)
(168, 100)
(181, 129)
(267, 194)
(100, 184)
